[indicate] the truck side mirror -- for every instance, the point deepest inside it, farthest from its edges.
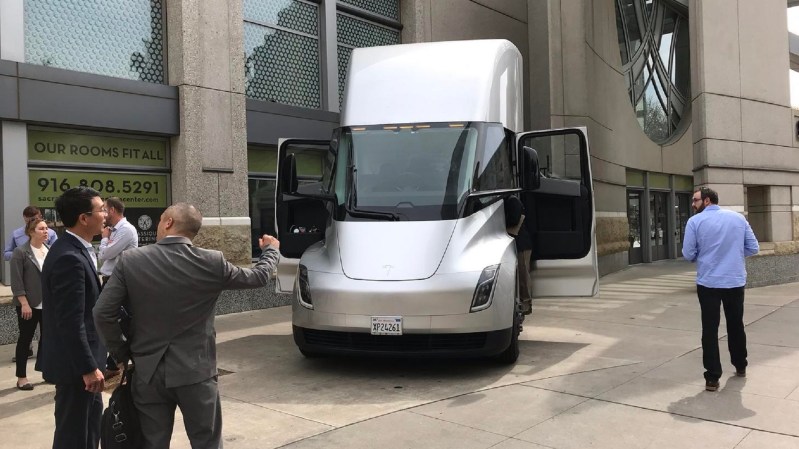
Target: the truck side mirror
(531, 176)
(288, 169)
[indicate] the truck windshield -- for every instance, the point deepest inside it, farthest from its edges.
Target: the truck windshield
(409, 172)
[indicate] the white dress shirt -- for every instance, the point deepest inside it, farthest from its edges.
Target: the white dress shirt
(123, 237)
(88, 246)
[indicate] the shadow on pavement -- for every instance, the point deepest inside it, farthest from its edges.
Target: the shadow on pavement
(261, 359)
(706, 405)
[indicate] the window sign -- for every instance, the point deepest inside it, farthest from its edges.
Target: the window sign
(87, 149)
(134, 189)
(59, 161)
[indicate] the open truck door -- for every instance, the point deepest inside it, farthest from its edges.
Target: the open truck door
(301, 210)
(559, 204)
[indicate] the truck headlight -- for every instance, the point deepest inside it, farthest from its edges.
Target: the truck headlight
(304, 288)
(485, 288)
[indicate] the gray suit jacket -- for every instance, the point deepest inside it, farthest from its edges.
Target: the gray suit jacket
(26, 275)
(170, 289)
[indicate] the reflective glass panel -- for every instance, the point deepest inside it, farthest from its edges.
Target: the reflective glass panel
(119, 38)
(659, 73)
(386, 8)
(356, 33)
(262, 210)
(281, 50)
(281, 67)
(291, 14)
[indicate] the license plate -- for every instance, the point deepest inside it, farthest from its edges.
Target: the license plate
(386, 325)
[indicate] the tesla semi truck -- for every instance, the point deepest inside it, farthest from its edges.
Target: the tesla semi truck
(393, 233)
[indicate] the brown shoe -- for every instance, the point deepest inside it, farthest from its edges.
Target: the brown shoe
(711, 385)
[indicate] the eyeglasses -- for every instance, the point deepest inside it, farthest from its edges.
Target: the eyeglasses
(102, 211)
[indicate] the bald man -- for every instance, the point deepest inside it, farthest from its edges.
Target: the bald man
(171, 289)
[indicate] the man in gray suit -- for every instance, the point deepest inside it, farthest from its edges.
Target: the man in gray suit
(171, 289)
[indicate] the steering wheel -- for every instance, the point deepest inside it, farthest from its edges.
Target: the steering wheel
(410, 182)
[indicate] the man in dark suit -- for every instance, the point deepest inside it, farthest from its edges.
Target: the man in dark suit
(73, 352)
(171, 289)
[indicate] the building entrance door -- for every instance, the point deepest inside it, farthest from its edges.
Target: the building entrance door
(634, 222)
(683, 213)
(658, 225)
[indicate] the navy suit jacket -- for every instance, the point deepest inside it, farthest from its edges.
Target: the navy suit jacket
(70, 288)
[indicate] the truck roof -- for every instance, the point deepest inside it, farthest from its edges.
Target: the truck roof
(478, 80)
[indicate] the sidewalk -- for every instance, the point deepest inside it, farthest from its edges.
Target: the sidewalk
(622, 370)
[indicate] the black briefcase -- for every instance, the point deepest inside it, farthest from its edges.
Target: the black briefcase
(120, 428)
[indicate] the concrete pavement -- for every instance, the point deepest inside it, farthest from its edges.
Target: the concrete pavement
(622, 370)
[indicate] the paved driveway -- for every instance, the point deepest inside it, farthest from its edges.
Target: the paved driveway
(622, 370)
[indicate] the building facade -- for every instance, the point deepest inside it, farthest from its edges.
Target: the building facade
(158, 101)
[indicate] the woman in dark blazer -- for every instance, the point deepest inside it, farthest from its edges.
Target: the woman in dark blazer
(26, 286)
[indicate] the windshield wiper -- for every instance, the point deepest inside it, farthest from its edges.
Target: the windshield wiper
(352, 196)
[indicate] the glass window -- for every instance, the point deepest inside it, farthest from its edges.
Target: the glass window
(659, 73)
(262, 210)
(281, 47)
(262, 166)
(120, 38)
(355, 32)
(497, 167)
(385, 8)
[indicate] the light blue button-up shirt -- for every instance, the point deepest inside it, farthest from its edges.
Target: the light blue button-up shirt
(719, 240)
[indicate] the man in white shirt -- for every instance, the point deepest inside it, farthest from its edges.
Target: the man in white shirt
(118, 236)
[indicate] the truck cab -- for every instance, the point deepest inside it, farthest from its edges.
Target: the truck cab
(401, 248)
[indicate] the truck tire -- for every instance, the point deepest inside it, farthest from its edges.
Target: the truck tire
(511, 353)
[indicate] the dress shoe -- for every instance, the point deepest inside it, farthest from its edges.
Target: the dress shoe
(740, 372)
(711, 385)
(26, 387)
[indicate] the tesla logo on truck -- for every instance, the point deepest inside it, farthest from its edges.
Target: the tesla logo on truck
(388, 269)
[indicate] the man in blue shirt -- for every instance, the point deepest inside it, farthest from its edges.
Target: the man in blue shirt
(18, 237)
(719, 241)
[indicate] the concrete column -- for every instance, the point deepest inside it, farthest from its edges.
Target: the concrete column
(209, 157)
(742, 130)
(14, 146)
(769, 212)
(415, 16)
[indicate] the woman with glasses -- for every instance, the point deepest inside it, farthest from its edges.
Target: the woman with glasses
(26, 286)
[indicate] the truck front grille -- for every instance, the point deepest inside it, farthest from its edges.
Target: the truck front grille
(395, 343)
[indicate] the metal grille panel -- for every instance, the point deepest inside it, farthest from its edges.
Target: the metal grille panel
(399, 343)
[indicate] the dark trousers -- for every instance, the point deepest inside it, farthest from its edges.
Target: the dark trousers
(77, 417)
(710, 300)
(26, 330)
(199, 403)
